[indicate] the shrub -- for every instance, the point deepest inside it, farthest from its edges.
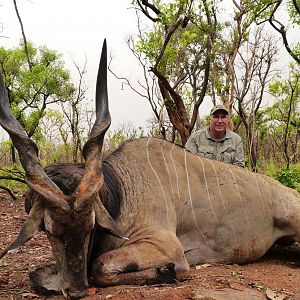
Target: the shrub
(289, 177)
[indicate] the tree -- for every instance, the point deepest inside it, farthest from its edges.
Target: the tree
(30, 91)
(253, 71)
(72, 111)
(126, 131)
(179, 50)
(223, 75)
(241, 73)
(147, 87)
(55, 135)
(279, 14)
(284, 117)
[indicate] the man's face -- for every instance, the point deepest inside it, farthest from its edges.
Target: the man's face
(219, 122)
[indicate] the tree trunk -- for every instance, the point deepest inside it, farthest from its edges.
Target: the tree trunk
(251, 140)
(13, 154)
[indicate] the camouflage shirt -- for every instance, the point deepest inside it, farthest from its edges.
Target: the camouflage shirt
(229, 149)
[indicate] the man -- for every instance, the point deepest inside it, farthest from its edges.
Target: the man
(217, 142)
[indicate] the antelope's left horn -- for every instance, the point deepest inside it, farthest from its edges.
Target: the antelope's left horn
(36, 178)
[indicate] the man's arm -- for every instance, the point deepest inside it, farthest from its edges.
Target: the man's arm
(191, 144)
(239, 154)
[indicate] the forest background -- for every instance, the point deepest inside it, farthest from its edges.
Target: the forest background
(189, 53)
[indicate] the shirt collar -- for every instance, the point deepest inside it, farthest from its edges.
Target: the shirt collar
(210, 137)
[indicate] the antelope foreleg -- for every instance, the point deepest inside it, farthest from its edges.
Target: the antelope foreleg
(138, 264)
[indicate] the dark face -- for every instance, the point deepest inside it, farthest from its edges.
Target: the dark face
(69, 235)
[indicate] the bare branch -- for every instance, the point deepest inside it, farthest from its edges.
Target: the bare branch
(24, 36)
(145, 11)
(297, 6)
(127, 82)
(168, 36)
(9, 192)
(21, 180)
(282, 30)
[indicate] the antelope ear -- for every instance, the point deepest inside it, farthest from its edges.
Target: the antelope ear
(30, 227)
(105, 221)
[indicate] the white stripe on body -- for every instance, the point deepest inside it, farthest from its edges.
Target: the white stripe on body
(263, 205)
(168, 171)
(242, 204)
(192, 207)
(177, 184)
(159, 182)
(175, 170)
(209, 200)
(223, 204)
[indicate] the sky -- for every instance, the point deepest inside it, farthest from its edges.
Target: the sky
(77, 28)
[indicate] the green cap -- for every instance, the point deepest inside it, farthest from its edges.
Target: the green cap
(219, 107)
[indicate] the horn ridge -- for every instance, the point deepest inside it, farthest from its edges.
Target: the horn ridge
(92, 151)
(103, 119)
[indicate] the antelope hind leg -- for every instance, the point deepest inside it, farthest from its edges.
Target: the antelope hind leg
(139, 264)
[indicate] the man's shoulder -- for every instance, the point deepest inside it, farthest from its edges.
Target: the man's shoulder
(199, 136)
(233, 135)
(200, 132)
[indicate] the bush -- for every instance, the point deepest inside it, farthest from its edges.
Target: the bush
(289, 177)
(11, 180)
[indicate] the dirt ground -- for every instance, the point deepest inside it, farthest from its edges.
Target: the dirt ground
(275, 276)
